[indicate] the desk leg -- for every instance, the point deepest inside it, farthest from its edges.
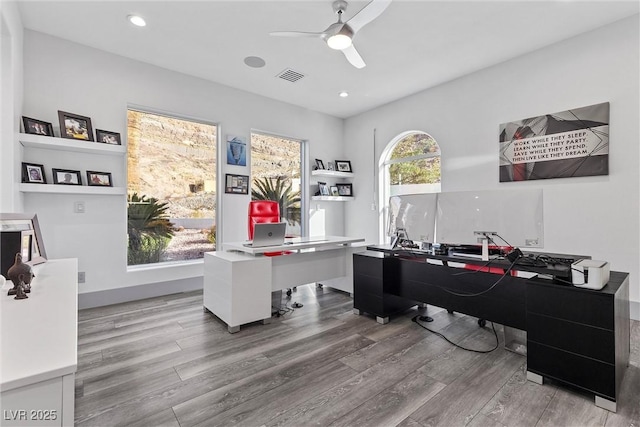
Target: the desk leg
(356, 311)
(538, 379)
(266, 321)
(233, 329)
(382, 320)
(606, 404)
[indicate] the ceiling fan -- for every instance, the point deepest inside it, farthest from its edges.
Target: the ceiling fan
(339, 35)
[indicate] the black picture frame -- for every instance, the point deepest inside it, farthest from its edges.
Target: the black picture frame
(33, 173)
(319, 164)
(37, 127)
(75, 126)
(236, 184)
(343, 166)
(345, 190)
(323, 188)
(108, 137)
(66, 177)
(15, 230)
(99, 179)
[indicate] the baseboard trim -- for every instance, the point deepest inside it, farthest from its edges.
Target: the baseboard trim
(634, 308)
(133, 293)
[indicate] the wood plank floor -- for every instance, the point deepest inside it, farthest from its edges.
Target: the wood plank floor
(166, 362)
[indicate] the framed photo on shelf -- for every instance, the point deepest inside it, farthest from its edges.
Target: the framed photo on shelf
(33, 173)
(66, 177)
(323, 188)
(37, 127)
(345, 189)
(334, 190)
(74, 126)
(236, 184)
(99, 179)
(343, 166)
(319, 164)
(330, 166)
(107, 137)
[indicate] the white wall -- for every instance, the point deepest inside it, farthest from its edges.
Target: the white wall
(60, 75)
(11, 34)
(596, 216)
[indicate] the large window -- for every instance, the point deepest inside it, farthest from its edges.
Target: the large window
(171, 188)
(409, 165)
(276, 170)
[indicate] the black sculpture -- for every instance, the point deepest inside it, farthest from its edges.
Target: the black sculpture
(21, 275)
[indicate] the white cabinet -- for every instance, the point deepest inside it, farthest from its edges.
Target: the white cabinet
(39, 348)
(332, 176)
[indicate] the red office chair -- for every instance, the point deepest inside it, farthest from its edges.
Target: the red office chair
(264, 211)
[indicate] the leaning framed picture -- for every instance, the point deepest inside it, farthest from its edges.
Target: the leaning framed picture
(66, 177)
(74, 126)
(345, 189)
(20, 232)
(323, 188)
(343, 166)
(33, 173)
(37, 127)
(108, 137)
(100, 179)
(319, 164)
(236, 184)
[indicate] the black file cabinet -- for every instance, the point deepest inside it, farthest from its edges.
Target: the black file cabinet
(579, 336)
(374, 278)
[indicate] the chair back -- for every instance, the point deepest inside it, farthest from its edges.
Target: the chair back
(262, 211)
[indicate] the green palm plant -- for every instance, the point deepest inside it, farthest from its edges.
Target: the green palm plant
(278, 189)
(148, 227)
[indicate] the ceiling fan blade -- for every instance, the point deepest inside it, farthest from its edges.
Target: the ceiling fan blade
(295, 34)
(354, 57)
(370, 12)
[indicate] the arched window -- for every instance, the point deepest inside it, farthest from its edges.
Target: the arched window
(410, 164)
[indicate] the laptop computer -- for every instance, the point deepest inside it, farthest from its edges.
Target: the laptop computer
(267, 234)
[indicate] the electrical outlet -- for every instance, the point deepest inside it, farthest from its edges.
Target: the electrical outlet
(81, 276)
(78, 207)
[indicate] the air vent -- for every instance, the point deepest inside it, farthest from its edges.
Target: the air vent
(290, 75)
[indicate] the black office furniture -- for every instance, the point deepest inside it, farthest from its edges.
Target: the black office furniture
(574, 335)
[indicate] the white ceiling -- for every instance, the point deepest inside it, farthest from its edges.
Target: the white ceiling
(412, 46)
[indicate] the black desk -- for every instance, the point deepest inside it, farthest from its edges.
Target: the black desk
(574, 335)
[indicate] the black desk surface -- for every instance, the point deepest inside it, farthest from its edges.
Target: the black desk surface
(555, 269)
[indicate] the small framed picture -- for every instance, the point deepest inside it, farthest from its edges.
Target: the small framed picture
(100, 179)
(236, 150)
(345, 189)
(334, 191)
(108, 137)
(324, 188)
(343, 166)
(74, 126)
(33, 173)
(319, 164)
(66, 177)
(37, 127)
(236, 184)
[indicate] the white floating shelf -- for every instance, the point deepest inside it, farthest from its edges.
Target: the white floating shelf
(63, 144)
(337, 174)
(333, 198)
(72, 189)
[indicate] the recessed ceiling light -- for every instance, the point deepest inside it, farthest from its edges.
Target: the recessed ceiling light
(254, 61)
(136, 20)
(343, 94)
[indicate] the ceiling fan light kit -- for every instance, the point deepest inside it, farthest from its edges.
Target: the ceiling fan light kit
(339, 35)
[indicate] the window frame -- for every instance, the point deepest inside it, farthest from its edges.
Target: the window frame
(219, 182)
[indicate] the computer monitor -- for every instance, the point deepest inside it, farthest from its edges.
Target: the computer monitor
(515, 215)
(413, 214)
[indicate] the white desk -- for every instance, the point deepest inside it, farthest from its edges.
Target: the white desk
(238, 281)
(39, 348)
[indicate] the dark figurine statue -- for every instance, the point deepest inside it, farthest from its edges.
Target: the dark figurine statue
(21, 275)
(20, 292)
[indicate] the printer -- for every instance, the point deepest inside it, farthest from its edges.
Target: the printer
(590, 274)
